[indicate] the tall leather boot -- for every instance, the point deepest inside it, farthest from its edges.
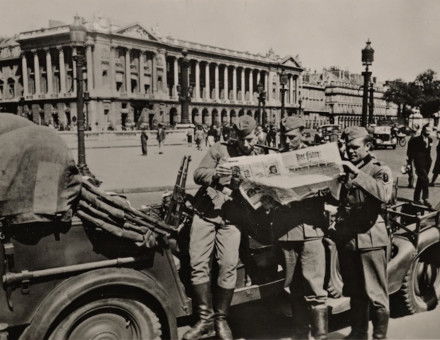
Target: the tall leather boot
(222, 301)
(319, 322)
(380, 323)
(204, 327)
(360, 316)
(301, 318)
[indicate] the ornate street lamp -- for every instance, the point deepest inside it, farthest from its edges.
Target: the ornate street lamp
(367, 60)
(184, 89)
(77, 39)
(261, 102)
(283, 80)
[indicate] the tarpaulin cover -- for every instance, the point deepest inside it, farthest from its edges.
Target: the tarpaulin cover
(38, 178)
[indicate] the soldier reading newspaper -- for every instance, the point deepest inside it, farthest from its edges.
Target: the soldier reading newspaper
(290, 176)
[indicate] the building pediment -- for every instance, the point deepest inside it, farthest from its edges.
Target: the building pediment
(137, 31)
(290, 62)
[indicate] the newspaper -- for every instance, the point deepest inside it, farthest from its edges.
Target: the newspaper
(290, 176)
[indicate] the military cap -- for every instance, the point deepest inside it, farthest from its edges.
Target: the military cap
(293, 122)
(353, 132)
(245, 125)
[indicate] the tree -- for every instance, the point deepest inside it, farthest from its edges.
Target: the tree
(429, 87)
(403, 94)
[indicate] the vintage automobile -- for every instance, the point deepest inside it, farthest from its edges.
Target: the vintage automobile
(116, 272)
(311, 137)
(329, 133)
(383, 137)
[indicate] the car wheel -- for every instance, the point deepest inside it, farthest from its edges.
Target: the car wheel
(421, 286)
(110, 318)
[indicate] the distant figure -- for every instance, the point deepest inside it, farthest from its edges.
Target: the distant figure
(199, 136)
(261, 135)
(436, 170)
(144, 142)
(189, 137)
(226, 131)
(160, 136)
(410, 164)
(211, 136)
(419, 151)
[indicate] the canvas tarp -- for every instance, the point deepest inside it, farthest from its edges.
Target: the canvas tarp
(38, 177)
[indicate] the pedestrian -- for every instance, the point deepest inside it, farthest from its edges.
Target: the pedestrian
(199, 136)
(226, 131)
(436, 169)
(419, 152)
(211, 136)
(299, 229)
(361, 234)
(212, 231)
(189, 137)
(410, 168)
(144, 142)
(261, 135)
(161, 134)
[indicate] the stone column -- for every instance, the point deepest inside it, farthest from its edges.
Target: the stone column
(153, 74)
(243, 87)
(176, 77)
(207, 84)
(226, 82)
(197, 85)
(49, 74)
(296, 89)
(266, 84)
(62, 68)
(89, 67)
(112, 66)
(251, 85)
(217, 85)
(234, 82)
(291, 97)
(25, 74)
(74, 71)
(127, 71)
(36, 72)
(141, 71)
(258, 77)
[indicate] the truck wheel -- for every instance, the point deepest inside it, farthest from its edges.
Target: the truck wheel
(420, 288)
(112, 318)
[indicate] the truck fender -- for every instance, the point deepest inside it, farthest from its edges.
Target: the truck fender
(406, 253)
(69, 290)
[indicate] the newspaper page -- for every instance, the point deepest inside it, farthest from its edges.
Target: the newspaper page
(289, 176)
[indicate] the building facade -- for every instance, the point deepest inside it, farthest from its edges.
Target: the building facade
(335, 95)
(132, 75)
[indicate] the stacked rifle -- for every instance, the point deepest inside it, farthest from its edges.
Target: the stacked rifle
(115, 215)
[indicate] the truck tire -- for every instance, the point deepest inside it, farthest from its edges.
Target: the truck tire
(109, 318)
(420, 288)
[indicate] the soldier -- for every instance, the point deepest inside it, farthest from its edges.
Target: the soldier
(362, 236)
(212, 230)
(144, 142)
(299, 229)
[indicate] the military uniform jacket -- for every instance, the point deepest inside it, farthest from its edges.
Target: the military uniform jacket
(362, 197)
(234, 209)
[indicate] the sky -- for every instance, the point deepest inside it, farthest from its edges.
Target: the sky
(404, 33)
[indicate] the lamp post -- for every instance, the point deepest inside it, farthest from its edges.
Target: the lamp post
(371, 105)
(300, 106)
(283, 80)
(78, 38)
(184, 89)
(367, 60)
(261, 102)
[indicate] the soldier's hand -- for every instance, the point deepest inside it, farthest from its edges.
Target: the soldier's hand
(349, 167)
(223, 171)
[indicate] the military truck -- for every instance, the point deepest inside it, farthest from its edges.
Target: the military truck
(123, 274)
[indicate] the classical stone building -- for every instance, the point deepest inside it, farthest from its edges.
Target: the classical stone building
(132, 75)
(337, 94)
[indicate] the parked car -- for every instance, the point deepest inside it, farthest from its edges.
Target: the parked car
(329, 133)
(384, 137)
(311, 137)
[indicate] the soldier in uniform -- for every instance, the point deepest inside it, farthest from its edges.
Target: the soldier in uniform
(213, 231)
(361, 235)
(299, 230)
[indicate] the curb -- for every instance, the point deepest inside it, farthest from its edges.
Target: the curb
(123, 146)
